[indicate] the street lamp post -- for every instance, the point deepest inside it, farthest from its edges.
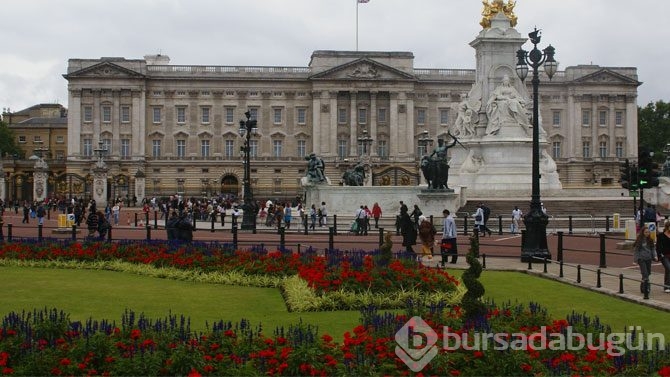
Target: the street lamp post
(250, 207)
(534, 245)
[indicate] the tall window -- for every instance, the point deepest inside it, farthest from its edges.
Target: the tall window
(277, 115)
(381, 115)
(125, 114)
(88, 148)
(302, 116)
(586, 118)
(618, 118)
(156, 148)
(602, 116)
(382, 149)
(421, 150)
(253, 148)
(88, 114)
(603, 149)
(181, 115)
(341, 116)
(107, 114)
(556, 149)
(302, 148)
(125, 148)
(362, 116)
(276, 148)
(204, 148)
(157, 114)
(107, 145)
(342, 148)
(444, 117)
(205, 115)
(586, 149)
(421, 117)
(230, 148)
(254, 113)
(230, 115)
(556, 118)
(181, 148)
(618, 147)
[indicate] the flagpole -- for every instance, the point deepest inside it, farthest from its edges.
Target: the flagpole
(357, 2)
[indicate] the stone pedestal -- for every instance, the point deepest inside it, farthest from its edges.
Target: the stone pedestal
(40, 177)
(140, 185)
(100, 186)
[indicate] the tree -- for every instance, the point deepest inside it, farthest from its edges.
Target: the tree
(8, 143)
(654, 128)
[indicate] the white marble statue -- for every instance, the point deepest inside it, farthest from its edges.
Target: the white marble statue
(468, 113)
(505, 107)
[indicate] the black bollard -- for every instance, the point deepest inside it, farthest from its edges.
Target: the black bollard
(148, 233)
(598, 280)
(39, 232)
(135, 219)
(381, 236)
(559, 253)
(74, 232)
(560, 273)
(570, 224)
(212, 230)
(607, 223)
(331, 238)
(621, 283)
(109, 234)
(397, 225)
(304, 223)
(155, 219)
(603, 256)
(544, 261)
(465, 225)
(484, 261)
(9, 232)
(500, 229)
(282, 238)
(146, 218)
(334, 224)
(233, 229)
(579, 273)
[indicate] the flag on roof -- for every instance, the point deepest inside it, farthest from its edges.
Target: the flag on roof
(363, 1)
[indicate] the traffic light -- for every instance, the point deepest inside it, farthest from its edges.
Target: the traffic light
(625, 174)
(648, 169)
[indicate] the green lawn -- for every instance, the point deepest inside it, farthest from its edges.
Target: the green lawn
(105, 294)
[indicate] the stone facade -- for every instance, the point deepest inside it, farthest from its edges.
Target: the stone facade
(178, 125)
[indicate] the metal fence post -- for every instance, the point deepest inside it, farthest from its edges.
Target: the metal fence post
(233, 229)
(282, 238)
(603, 256)
(9, 232)
(212, 230)
(607, 223)
(74, 232)
(570, 224)
(500, 229)
(135, 219)
(334, 224)
(559, 253)
(465, 224)
(155, 219)
(148, 233)
(39, 232)
(381, 236)
(331, 238)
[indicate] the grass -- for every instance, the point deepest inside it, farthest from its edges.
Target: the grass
(105, 294)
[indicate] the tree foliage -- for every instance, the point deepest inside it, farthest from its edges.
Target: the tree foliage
(8, 142)
(654, 127)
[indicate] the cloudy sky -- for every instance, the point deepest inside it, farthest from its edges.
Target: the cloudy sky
(39, 36)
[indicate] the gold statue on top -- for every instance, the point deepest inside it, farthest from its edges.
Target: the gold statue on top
(495, 7)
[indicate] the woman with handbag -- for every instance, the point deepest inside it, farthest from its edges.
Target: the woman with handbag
(479, 221)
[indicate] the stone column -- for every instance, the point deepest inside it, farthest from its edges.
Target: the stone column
(40, 177)
(353, 134)
(100, 185)
(140, 185)
(373, 123)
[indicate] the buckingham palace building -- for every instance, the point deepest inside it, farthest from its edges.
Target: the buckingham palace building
(176, 127)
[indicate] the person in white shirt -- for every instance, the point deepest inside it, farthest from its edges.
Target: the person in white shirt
(449, 245)
(516, 217)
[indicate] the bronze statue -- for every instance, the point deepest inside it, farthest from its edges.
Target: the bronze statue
(315, 168)
(355, 176)
(435, 167)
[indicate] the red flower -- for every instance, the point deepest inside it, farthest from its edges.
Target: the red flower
(64, 361)
(664, 372)
(478, 354)
(455, 372)
(7, 370)
(135, 334)
(526, 367)
(194, 373)
(327, 338)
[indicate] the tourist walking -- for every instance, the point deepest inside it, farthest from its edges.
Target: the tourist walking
(479, 221)
(323, 217)
(312, 216)
(416, 213)
(516, 217)
(376, 214)
(407, 229)
(644, 253)
(663, 251)
(448, 245)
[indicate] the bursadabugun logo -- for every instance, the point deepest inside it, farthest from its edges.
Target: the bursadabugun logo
(416, 344)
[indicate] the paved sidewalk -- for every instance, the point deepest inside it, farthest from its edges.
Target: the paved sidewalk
(610, 278)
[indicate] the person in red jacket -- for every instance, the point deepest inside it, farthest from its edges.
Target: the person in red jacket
(376, 214)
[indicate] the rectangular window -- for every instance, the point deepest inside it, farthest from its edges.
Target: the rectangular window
(602, 116)
(276, 116)
(156, 148)
(157, 114)
(254, 113)
(342, 148)
(420, 117)
(60, 139)
(253, 148)
(88, 114)
(204, 148)
(362, 116)
(125, 148)
(276, 148)
(37, 139)
(381, 115)
(342, 116)
(22, 139)
(107, 146)
(382, 149)
(181, 115)
(586, 118)
(107, 114)
(619, 149)
(230, 148)
(302, 148)
(277, 186)
(87, 148)
(422, 150)
(205, 115)
(60, 155)
(230, 115)
(586, 149)
(556, 118)
(181, 148)
(125, 114)
(618, 118)
(603, 149)
(302, 116)
(444, 117)
(556, 149)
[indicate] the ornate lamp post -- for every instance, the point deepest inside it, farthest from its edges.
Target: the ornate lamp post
(535, 242)
(250, 207)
